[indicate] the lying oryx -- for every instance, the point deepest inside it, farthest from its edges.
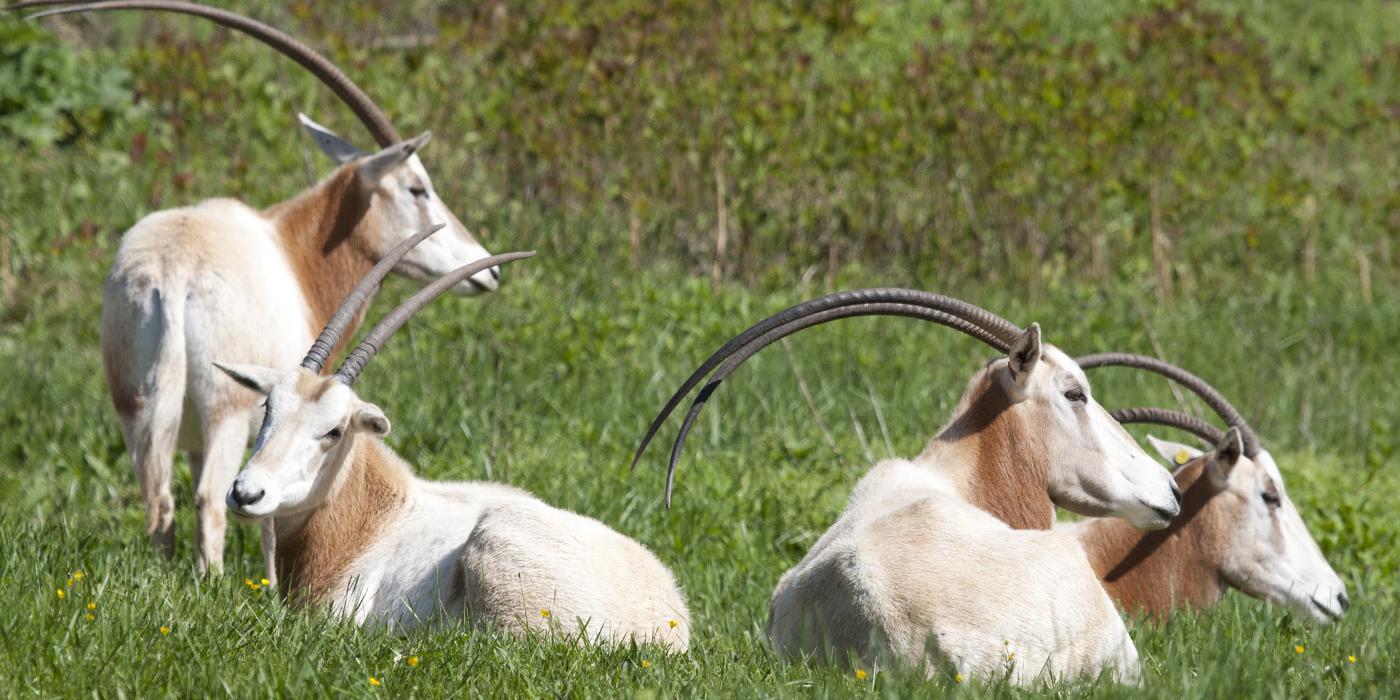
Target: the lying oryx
(223, 280)
(1237, 528)
(926, 563)
(355, 529)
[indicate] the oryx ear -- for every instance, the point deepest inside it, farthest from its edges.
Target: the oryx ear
(1024, 354)
(1227, 455)
(384, 162)
(369, 419)
(330, 143)
(1229, 449)
(1175, 453)
(259, 379)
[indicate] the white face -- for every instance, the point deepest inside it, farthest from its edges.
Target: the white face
(1272, 555)
(307, 428)
(407, 203)
(1096, 467)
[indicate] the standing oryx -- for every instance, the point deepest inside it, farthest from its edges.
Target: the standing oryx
(356, 530)
(222, 280)
(1237, 528)
(927, 563)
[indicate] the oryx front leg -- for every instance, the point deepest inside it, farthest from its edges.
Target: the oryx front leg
(224, 439)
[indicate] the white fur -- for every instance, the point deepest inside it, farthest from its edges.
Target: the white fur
(215, 281)
(492, 553)
(912, 570)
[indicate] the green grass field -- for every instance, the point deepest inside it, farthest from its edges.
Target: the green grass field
(549, 383)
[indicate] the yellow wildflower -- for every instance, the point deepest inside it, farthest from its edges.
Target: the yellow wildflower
(248, 582)
(860, 674)
(1351, 659)
(78, 575)
(70, 582)
(61, 593)
(265, 582)
(672, 623)
(92, 605)
(544, 612)
(89, 617)
(1300, 648)
(164, 630)
(958, 678)
(412, 661)
(374, 681)
(646, 664)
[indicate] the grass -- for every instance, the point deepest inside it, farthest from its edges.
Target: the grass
(549, 383)
(552, 397)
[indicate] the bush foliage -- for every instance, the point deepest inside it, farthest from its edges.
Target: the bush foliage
(996, 140)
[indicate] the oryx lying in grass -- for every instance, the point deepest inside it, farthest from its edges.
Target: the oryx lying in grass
(1237, 528)
(222, 280)
(356, 530)
(932, 561)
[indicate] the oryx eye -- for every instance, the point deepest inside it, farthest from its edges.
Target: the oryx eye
(1271, 498)
(420, 192)
(1076, 395)
(334, 434)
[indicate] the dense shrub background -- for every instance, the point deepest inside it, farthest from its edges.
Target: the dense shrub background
(1163, 141)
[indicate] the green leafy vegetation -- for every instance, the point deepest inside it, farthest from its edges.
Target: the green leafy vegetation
(1213, 182)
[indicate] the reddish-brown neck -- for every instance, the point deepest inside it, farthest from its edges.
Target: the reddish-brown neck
(1004, 468)
(1158, 571)
(315, 552)
(331, 242)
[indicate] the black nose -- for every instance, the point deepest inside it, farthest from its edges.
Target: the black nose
(246, 499)
(1344, 601)
(496, 274)
(1176, 493)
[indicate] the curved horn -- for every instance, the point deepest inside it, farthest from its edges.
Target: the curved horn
(1198, 386)
(996, 331)
(374, 118)
(357, 298)
(744, 353)
(355, 362)
(1171, 419)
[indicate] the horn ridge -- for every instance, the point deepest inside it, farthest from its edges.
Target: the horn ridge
(356, 360)
(359, 296)
(732, 363)
(1200, 387)
(331, 76)
(1171, 419)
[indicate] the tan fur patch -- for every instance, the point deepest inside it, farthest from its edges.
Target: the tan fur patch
(1010, 470)
(315, 557)
(1163, 570)
(332, 240)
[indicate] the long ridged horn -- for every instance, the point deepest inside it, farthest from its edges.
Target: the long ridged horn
(355, 362)
(996, 331)
(1171, 419)
(358, 297)
(1198, 386)
(369, 113)
(744, 353)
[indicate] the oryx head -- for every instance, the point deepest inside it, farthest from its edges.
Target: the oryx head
(1096, 468)
(1268, 552)
(311, 422)
(402, 198)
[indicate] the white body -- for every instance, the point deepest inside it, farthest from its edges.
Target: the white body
(912, 570)
(499, 556)
(924, 564)
(358, 532)
(221, 280)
